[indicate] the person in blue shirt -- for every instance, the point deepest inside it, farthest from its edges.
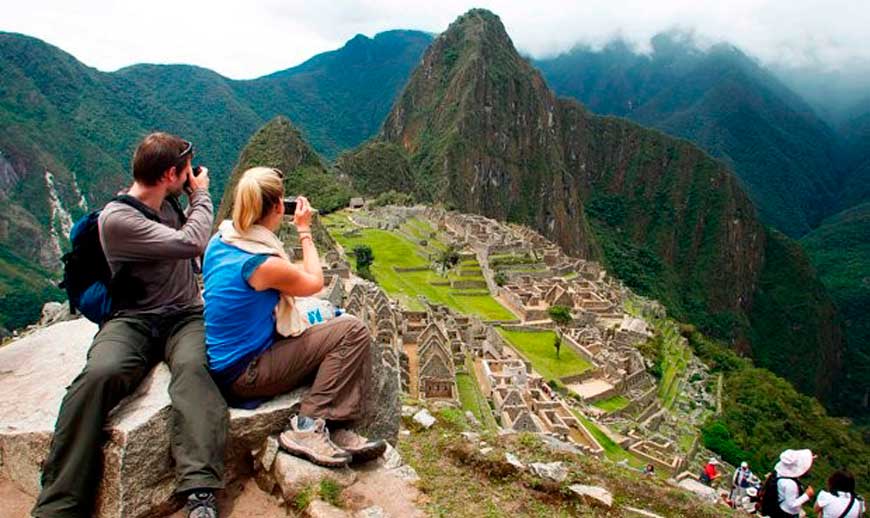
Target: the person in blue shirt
(259, 347)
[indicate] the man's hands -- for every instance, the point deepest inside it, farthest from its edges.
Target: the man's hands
(200, 181)
(302, 216)
(810, 492)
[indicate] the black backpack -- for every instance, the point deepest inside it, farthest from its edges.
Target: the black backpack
(768, 498)
(87, 278)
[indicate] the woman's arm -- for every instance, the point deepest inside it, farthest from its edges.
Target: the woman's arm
(282, 275)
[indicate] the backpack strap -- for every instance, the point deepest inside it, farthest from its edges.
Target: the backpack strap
(137, 204)
(848, 508)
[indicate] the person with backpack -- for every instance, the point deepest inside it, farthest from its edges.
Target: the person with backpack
(153, 313)
(840, 500)
(783, 494)
(741, 481)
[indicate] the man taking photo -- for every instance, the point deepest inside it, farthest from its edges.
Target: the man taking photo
(152, 248)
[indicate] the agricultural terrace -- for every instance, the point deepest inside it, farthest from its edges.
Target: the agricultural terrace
(404, 249)
(538, 348)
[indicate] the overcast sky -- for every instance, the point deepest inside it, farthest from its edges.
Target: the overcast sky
(249, 39)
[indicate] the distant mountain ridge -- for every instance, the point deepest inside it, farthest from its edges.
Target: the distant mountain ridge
(786, 157)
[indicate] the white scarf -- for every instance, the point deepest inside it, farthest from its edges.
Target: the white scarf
(260, 240)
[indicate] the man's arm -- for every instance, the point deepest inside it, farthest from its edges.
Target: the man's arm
(129, 236)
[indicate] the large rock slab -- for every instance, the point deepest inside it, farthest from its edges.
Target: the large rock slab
(138, 478)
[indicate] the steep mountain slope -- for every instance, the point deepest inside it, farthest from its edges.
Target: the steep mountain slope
(278, 144)
(840, 252)
(483, 133)
(69, 130)
(480, 128)
(856, 135)
(785, 156)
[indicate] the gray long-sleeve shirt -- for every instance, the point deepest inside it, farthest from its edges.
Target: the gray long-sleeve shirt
(158, 254)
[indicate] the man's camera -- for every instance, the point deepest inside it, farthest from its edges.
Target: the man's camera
(195, 170)
(290, 206)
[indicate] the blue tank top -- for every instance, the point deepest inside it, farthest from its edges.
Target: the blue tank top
(239, 320)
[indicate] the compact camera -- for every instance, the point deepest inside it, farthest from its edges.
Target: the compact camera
(290, 206)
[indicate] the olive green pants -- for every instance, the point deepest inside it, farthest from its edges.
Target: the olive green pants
(123, 352)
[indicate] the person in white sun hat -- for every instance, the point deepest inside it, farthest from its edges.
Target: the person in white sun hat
(792, 465)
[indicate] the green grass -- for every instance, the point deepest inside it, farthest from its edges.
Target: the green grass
(538, 348)
(612, 450)
(612, 404)
(391, 249)
(473, 401)
(675, 355)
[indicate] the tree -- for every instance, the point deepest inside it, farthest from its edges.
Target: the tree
(500, 278)
(447, 259)
(364, 258)
(560, 315)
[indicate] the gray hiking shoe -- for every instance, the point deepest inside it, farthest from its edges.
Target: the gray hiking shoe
(313, 444)
(359, 447)
(202, 504)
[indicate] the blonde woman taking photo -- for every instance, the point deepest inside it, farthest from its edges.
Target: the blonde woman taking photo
(259, 347)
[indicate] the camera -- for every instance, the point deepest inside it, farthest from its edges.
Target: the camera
(195, 170)
(290, 206)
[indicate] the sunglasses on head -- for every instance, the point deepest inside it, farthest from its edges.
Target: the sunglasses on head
(188, 149)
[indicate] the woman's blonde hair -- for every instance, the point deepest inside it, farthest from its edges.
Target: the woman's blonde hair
(257, 193)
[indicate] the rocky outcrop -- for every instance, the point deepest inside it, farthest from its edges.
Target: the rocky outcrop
(138, 477)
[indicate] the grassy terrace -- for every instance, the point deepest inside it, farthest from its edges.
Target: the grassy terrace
(612, 404)
(538, 348)
(393, 250)
(675, 356)
(612, 450)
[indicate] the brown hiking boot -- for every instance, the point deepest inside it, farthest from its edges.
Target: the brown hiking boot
(313, 444)
(359, 447)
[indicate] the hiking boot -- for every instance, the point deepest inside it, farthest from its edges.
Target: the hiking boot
(202, 504)
(359, 447)
(313, 444)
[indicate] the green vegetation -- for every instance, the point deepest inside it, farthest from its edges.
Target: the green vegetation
(395, 251)
(840, 252)
(280, 145)
(537, 347)
(330, 492)
(792, 307)
(727, 104)
(363, 257)
(560, 315)
(24, 288)
(612, 404)
(612, 450)
(763, 414)
(472, 399)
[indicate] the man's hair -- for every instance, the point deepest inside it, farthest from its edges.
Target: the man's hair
(155, 154)
(841, 481)
(258, 192)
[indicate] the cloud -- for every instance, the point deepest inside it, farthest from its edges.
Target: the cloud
(262, 36)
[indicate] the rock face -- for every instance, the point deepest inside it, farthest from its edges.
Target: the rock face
(138, 478)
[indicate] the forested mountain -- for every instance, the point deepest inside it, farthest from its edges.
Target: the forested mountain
(840, 251)
(481, 131)
(786, 157)
(68, 130)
